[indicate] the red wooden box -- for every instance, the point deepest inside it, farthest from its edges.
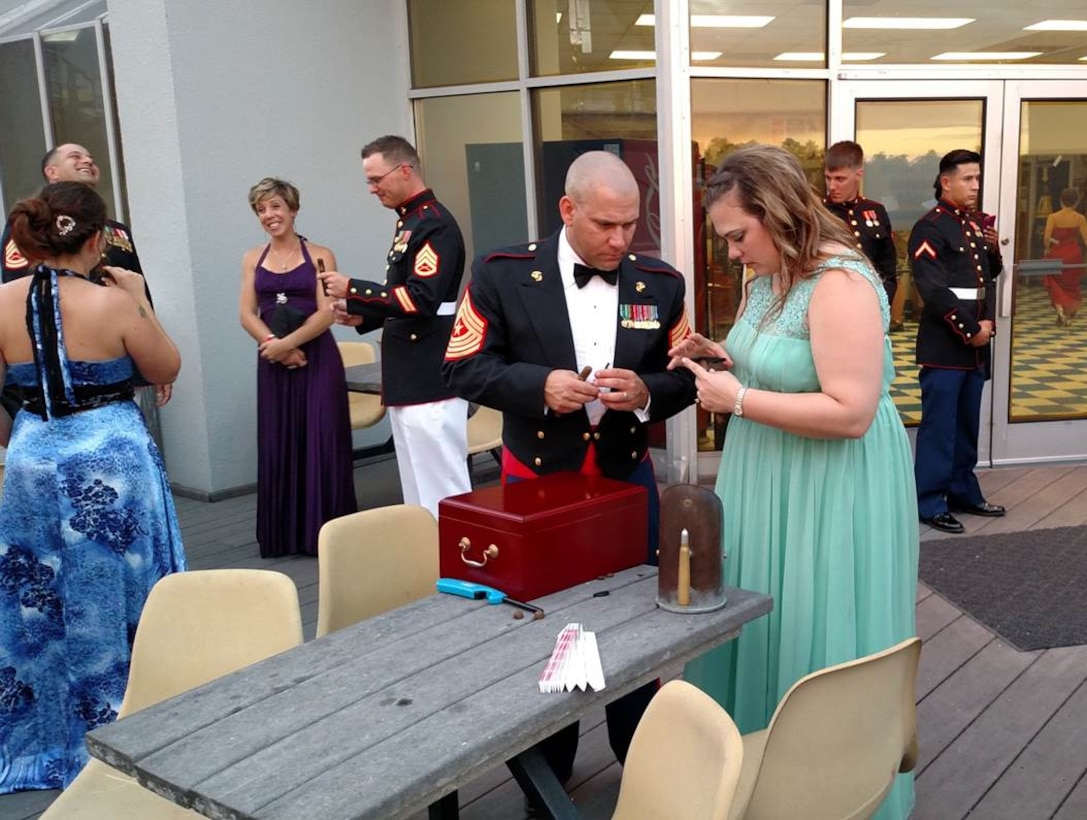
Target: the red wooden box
(532, 538)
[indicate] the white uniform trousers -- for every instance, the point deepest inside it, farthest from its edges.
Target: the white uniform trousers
(431, 443)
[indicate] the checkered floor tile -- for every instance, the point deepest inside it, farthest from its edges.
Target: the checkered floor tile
(1049, 363)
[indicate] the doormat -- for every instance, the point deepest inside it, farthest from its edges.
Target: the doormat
(1028, 587)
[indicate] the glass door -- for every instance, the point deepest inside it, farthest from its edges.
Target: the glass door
(905, 127)
(1040, 387)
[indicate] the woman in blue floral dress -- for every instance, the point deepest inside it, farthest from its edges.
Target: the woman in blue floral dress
(87, 523)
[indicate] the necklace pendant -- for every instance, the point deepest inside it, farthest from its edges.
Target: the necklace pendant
(281, 298)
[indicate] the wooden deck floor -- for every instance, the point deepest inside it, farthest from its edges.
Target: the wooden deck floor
(1003, 732)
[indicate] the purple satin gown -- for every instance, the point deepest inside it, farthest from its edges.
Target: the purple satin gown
(304, 469)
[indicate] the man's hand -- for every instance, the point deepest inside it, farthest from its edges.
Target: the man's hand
(566, 392)
(342, 317)
(626, 390)
(984, 334)
(335, 283)
(992, 238)
(163, 392)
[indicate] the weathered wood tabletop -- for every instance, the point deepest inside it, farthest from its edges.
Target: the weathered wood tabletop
(383, 718)
(364, 378)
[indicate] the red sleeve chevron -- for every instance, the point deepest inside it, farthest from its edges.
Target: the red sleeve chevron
(469, 331)
(924, 249)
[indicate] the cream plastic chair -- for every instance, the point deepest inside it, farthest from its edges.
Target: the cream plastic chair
(684, 760)
(366, 409)
(836, 741)
(485, 434)
(195, 627)
(372, 561)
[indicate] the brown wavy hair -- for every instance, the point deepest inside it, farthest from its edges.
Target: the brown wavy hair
(770, 186)
(57, 221)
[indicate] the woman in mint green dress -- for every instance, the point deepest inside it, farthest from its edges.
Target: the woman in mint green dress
(816, 476)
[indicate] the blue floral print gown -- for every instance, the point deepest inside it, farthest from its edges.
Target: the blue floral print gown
(87, 526)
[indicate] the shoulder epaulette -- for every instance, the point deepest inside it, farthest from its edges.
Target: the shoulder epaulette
(651, 264)
(526, 251)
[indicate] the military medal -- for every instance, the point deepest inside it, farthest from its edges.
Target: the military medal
(639, 317)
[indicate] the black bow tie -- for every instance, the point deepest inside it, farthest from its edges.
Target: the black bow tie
(583, 273)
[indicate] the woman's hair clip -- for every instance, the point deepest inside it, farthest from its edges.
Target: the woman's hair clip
(65, 224)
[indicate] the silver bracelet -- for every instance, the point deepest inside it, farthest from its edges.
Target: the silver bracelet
(738, 405)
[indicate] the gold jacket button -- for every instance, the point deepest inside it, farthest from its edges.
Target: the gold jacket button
(596, 436)
(400, 223)
(539, 434)
(633, 430)
(354, 290)
(537, 461)
(968, 335)
(633, 453)
(413, 337)
(585, 436)
(532, 247)
(368, 291)
(632, 258)
(960, 324)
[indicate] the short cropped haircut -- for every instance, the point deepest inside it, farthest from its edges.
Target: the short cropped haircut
(395, 149)
(269, 187)
(952, 160)
(844, 154)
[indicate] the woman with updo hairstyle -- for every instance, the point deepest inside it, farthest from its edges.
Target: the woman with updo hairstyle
(304, 461)
(1065, 239)
(87, 522)
(816, 475)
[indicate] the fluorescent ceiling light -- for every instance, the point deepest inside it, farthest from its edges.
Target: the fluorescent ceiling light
(652, 55)
(714, 21)
(1058, 25)
(924, 23)
(986, 55)
(817, 56)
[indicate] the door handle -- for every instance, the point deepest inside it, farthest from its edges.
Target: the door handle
(1004, 241)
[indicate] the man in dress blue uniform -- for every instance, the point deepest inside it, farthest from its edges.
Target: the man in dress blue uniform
(414, 306)
(955, 263)
(535, 318)
(71, 162)
(866, 219)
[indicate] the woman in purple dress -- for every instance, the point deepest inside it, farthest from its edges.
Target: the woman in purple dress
(304, 471)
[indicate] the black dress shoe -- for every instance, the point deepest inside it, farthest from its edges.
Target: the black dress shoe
(984, 508)
(945, 522)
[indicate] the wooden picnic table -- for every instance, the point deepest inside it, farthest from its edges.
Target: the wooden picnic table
(364, 378)
(390, 716)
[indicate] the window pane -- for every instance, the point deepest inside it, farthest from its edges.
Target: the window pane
(460, 43)
(473, 156)
(899, 170)
(74, 86)
(1049, 346)
(726, 114)
(971, 31)
(574, 36)
(617, 117)
(778, 33)
(23, 142)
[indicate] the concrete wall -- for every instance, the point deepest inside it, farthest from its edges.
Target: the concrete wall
(212, 96)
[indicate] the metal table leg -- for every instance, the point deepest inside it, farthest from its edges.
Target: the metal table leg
(535, 777)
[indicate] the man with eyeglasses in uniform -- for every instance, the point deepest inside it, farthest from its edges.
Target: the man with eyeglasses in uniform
(414, 306)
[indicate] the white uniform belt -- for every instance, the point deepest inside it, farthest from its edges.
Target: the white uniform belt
(973, 294)
(446, 309)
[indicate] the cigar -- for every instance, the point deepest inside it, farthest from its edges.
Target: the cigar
(585, 371)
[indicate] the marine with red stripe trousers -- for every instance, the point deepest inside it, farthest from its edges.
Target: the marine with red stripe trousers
(955, 262)
(534, 318)
(414, 307)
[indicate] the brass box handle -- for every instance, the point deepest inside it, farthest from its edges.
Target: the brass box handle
(489, 553)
